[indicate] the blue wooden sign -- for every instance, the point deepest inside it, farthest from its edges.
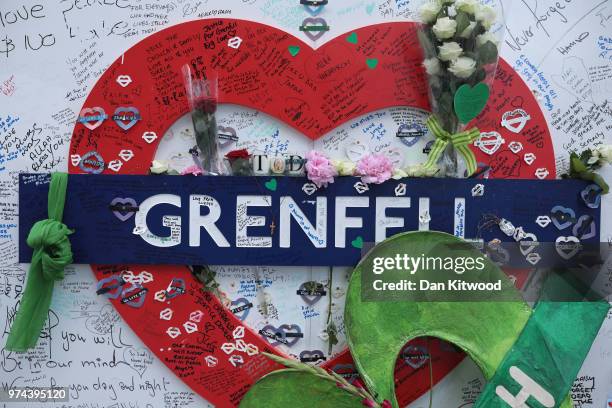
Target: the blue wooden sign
(288, 221)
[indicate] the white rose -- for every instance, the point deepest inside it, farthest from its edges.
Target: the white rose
(463, 67)
(429, 11)
(445, 28)
(486, 15)
(605, 152)
(450, 51)
(467, 6)
(482, 39)
(344, 167)
(399, 174)
(158, 167)
(419, 170)
(468, 30)
(432, 66)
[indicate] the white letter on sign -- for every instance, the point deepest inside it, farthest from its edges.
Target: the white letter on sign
(173, 222)
(196, 220)
(382, 221)
(530, 389)
(289, 209)
(244, 221)
(343, 222)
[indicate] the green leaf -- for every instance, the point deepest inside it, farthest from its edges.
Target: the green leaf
(377, 331)
(297, 389)
(463, 21)
(487, 53)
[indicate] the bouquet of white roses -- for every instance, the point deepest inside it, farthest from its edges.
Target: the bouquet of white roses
(461, 56)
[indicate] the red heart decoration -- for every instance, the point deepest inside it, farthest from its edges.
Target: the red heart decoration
(313, 91)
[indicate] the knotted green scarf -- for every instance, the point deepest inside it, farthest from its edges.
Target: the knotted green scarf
(52, 252)
(460, 141)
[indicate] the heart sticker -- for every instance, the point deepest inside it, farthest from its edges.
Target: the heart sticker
(567, 247)
(515, 147)
(75, 159)
(529, 158)
(528, 243)
(92, 118)
(542, 173)
(543, 221)
(585, 228)
(515, 120)
(311, 356)
(177, 287)
(346, 371)
(410, 133)
(356, 151)
(372, 63)
(309, 188)
(92, 162)
(126, 155)
(562, 217)
(591, 196)
(400, 190)
(489, 142)
(123, 208)
(134, 295)
(124, 80)
(234, 42)
(361, 187)
(469, 102)
(294, 50)
(115, 165)
(357, 242)
(311, 292)
(126, 117)
(149, 137)
(240, 308)
(533, 258)
(314, 28)
(110, 287)
(352, 38)
(415, 356)
(271, 184)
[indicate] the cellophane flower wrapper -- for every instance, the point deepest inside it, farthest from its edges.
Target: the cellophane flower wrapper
(202, 97)
(460, 41)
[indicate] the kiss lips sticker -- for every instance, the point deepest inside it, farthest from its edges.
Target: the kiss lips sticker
(110, 287)
(134, 295)
(92, 162)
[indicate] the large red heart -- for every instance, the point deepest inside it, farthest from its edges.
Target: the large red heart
(313, 91)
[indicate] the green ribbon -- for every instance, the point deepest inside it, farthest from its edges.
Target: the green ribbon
(460, 141)
(52, 252)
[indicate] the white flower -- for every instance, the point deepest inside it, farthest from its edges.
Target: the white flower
(463, 67)
(450, 51)
(419, 170)
(467, 6)
(445, 28)
(482, 39)
(468, 30)
(158, 167)
(432, 66)
(605, 153)
(344, 167)
(486, 15)
(429, 11)
(452, 11)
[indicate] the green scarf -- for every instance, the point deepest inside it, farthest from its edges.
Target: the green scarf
(52, 252)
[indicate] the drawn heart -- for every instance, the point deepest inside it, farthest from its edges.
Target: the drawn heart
(311, 356)
(357, 242)
(271, 184)
(314, 28)
(515, 120)
(240, 308)
(562, 217)
(123, 208)
(489, 142)
(415, 356)
(138, 359)
(469, 102)
(591, 196)
(567, 247)
(528, 243)
(92, 118)
(126, 117)
(585, 228)
(317, 290)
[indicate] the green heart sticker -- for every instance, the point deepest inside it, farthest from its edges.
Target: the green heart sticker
(271, 184)
(372, 63)
(294, 50)
(352, 38)
(469, 102)
(357, 242)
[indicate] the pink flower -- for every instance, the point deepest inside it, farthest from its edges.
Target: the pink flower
(386, 404)
(193, 170)
(368, 403)
(320, 169)
(375, 168)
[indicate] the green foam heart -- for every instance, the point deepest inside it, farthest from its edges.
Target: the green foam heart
(372, 63)
(352, 38)
(357, 242)
(271, 184)
(469, 102)
(294, 50)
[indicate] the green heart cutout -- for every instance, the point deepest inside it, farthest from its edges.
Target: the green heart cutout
(271, 184)
(357, 242)
(370, 8)
(294, 50)
(372, 63)
(469, 102)
(352, 38)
